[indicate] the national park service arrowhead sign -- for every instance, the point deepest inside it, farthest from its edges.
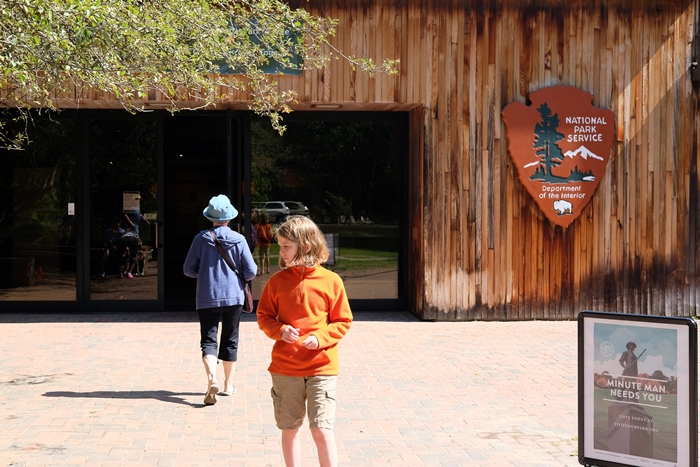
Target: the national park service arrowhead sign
(560, 145)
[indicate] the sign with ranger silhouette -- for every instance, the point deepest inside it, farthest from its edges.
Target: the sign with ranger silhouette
(560, 146)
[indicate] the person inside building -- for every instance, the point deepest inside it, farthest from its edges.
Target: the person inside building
(133, 219)
(253, 242)
(110, 240)
(264, 237)
(127, 246)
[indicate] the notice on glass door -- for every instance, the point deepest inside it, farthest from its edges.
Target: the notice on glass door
(131, 201)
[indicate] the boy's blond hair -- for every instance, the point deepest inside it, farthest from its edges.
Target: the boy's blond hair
(304, 232)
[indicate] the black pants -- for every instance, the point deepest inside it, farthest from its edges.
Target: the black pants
(230, 317)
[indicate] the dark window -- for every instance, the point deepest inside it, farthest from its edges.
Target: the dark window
(38, 229)
(349, 176)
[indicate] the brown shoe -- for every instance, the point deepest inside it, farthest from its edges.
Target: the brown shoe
(210, 397)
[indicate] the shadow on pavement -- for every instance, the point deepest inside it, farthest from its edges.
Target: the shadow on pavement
(165, 396)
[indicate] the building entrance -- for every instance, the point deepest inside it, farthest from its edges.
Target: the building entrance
(123, 212)
(196, 163)
(98, 214)
(345, 171)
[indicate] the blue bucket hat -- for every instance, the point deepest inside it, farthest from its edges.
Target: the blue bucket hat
(220, 209)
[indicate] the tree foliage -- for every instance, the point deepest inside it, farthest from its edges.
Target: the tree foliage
(131, 50)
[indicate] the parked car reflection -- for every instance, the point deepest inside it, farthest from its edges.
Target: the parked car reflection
(297, 208)
(276, 211)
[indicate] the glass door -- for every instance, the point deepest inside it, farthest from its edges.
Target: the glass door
(196, 168)
(345, 172)
(37, 214)
(123, 214)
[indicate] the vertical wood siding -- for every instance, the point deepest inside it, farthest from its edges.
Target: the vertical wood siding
(480, 247)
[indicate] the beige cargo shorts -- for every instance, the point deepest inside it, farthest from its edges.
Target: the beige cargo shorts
(292, 396)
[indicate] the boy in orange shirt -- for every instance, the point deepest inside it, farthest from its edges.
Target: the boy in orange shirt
(304, 308)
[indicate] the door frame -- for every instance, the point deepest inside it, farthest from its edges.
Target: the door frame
(84, 302)
(402, 302)
(230, 187)
(235, 164)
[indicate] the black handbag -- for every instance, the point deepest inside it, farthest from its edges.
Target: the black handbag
(248, 296)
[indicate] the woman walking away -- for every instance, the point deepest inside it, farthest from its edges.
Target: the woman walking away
(219, 292)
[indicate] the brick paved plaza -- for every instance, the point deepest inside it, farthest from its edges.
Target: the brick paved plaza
(127, 389)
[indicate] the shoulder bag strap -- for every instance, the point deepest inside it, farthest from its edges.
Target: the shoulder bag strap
(225, 256)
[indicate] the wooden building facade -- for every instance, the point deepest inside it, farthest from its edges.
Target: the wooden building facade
(479, 248)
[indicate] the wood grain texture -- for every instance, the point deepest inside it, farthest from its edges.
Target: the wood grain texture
(479, 246)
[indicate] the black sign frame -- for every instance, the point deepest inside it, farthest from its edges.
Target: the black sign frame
(632, 396)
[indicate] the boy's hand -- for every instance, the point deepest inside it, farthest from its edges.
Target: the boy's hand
(290, 335)
(311, 342)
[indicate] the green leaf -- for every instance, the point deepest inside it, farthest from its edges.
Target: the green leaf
(127, 47)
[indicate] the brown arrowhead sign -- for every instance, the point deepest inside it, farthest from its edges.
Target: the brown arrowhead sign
(560, 145)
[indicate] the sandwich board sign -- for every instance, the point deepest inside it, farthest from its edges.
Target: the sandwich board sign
(638, 395)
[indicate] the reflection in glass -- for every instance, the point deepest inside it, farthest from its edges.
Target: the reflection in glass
(123, 210)
(195, 170)
(347, 178)
(37, 221)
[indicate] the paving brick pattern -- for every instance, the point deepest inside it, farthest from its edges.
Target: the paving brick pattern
(126, 389)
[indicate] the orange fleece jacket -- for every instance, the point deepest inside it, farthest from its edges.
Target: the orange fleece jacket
(312, 299)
